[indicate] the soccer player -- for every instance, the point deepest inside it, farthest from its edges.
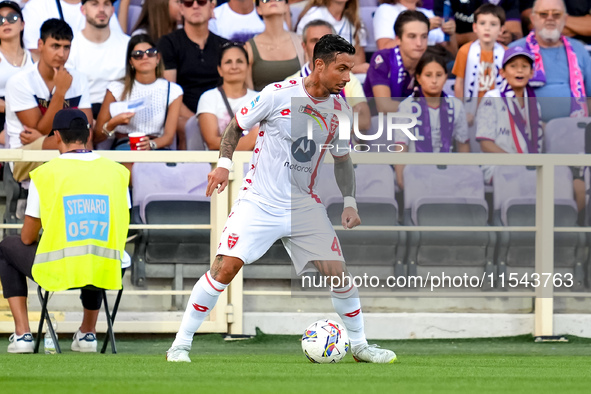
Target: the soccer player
(277, 199)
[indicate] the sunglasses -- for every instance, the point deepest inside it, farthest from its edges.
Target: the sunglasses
(139, 55)
(189, 3)
(547, 14)
(10, 18)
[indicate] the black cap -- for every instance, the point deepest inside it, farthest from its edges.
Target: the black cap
(67, 119)
(13, 5)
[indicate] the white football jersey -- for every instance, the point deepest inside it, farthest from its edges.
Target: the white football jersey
(285, 163)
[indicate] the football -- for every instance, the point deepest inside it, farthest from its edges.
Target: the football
(325, 341)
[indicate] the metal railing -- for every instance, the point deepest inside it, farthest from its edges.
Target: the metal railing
(544, 214)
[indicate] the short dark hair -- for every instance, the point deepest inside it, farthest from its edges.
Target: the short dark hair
(316, 23)
(329, 46)
(435, 53)
(77, 132)
(56, 29)
(490, 9)
(407, 17)
(229, 45)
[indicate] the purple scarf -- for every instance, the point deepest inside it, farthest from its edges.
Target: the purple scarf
(517, 120)
(400, 81)
(445, 118)
(578, 103)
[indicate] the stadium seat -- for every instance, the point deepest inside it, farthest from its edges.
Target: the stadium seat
(567, 135)
(367, 252)
(132, 16)
(447, 196)
(514, 199)
(366, 13)
(193, 135)
(170, 194)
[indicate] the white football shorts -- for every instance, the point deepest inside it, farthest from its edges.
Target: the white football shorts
(306, 233)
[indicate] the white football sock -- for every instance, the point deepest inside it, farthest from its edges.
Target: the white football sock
(346, 303)
(203, 298)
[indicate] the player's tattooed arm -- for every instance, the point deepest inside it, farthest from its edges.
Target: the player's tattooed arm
(345, 175)
(230, 139)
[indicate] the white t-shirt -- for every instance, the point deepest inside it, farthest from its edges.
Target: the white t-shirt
(344, 28)
(285, 163)
(27, 90)
(234, 26)
(386, 15)
(212, 102)
(7, 70)
(149, 120)
(36, 12)
(460, 126)
(493, 124)
(101, 63)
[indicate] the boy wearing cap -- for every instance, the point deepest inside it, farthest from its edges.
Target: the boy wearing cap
(81, 201)
(508, 118)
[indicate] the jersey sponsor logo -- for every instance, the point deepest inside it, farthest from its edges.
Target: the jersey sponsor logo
(244, 111)
(285, 112)
(292, 81)
(200, 308)
(277, 85)
(297, 167)
(232, 240)
(255, 101)
(303, 149)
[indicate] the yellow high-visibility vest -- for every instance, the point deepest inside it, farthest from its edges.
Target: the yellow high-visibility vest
(85, 219)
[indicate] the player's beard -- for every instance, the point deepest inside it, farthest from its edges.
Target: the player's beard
(98, 25)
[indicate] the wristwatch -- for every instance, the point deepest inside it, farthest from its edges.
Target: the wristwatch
(153, 145)
(106, 131)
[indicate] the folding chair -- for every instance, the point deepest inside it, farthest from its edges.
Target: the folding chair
(110, 316)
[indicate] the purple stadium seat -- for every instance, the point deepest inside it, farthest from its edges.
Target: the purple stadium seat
(132, 16)
(193, 135)
(514, 200)
(446, 196)
(566, 135)
(368, 251)
(170, 194)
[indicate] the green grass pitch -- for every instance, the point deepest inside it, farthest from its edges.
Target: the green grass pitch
(275, 364)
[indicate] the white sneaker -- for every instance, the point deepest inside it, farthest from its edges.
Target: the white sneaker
(22, 344)
(84, 342)
(178, 354)
(373, 354)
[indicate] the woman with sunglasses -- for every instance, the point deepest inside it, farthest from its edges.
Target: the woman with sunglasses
(276, 53)
(343, 15)
(156, 101)
(217, 106)
(13, 57)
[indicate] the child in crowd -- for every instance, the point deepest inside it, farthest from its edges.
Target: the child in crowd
(508, 119)
(477, 64)
(441, 120)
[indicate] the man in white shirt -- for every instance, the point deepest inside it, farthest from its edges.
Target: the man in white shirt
(35, 12)
(98, 51)
(35, 95)
(236, 20)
